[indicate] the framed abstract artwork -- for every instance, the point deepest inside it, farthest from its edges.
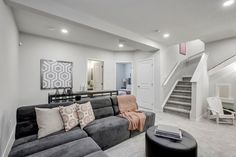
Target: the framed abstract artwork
(56, 74)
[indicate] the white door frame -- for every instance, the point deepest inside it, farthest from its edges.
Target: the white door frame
(132, 73)
(153, 78)
(94, 59)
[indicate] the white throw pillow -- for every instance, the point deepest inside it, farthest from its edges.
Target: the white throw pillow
(48, 120)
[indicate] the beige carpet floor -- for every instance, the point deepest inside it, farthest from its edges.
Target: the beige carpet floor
(213, 140)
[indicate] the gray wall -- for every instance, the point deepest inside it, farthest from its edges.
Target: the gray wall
(9, 77)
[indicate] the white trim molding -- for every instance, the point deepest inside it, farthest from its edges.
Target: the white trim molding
(9, 143)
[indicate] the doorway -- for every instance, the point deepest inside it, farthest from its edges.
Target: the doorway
(124, 78)
(95, 75)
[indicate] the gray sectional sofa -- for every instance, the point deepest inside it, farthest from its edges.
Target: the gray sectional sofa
(107, 130)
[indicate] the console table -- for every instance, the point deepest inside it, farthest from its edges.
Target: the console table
(76, 96)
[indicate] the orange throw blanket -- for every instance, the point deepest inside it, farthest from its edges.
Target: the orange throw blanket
(129, 110)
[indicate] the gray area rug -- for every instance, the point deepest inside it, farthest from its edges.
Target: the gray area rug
(213, 140)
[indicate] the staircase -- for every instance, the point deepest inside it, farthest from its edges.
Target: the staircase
(179, 102)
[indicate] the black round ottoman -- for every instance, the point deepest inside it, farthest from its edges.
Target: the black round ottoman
(161, 147)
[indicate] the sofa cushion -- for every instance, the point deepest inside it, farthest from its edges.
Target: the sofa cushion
(150, 120)
(26, 116)
(78, 148)
(97, 154)
(115, 105)
(102, 107)
(107, 132)
(29, 145)
(26, 119)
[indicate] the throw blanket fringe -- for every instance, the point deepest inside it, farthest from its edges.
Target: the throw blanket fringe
(129, 110)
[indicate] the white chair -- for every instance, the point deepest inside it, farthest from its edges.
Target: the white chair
(216, 111)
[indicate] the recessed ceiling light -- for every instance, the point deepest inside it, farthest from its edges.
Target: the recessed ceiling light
(120, 45)
(166, 35)
(64, 31)
(228, 3)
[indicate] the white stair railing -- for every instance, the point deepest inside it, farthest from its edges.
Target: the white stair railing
(185, 67)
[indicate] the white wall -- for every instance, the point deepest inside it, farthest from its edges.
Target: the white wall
(225, 76)
(35, 48)
(220, 50)
(200, 89)
(169, 58)
(8, 77)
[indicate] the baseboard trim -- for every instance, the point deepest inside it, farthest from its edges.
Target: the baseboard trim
(9, 144)
(203, 115)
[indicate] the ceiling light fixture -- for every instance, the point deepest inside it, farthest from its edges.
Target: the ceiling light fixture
(228, 3)
(121, 44)
(166, 35)
(64, 31)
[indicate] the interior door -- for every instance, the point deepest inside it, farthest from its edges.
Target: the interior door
(145, 83)
(98, 76)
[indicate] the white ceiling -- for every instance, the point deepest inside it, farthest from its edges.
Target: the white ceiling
(183, 19)
(33, 23)
(132, 19)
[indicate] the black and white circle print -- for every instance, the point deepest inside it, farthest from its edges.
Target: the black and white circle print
(56, 74)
